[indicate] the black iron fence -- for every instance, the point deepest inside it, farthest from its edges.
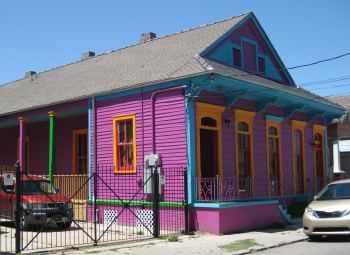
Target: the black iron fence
(88, 209)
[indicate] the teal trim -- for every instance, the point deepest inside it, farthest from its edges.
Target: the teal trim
(263, 34)
(286, 99)
(191, 145)
(150, 88)
(274, 118)
(212, 46)
(234, 204)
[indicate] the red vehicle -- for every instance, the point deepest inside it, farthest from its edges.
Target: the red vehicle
(41, 203)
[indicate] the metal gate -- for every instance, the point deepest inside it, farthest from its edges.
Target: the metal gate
(73, 210)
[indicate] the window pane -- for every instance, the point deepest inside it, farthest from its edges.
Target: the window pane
(272, 131)
(243, 159)
(242, 126)
(210, 122)
(129, 133)
(122, 155)
(121, 132)
(130, 155)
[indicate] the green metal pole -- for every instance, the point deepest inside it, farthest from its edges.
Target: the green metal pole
(52, 146)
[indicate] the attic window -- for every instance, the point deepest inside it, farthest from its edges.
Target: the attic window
(237, 61)
(261, 63)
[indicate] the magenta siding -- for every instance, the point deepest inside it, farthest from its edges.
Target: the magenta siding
(260, 165)
(170, 135)
(287, 157)
(249, 53)
(170, 122)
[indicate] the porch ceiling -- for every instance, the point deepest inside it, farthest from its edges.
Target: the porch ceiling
(290, 99)
(40, 116)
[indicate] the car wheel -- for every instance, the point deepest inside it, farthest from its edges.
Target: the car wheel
(64, 225)
(315, 237)
(23, 223)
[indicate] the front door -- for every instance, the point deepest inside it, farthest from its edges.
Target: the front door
(209, 153)
(319, 161)
(80, 151)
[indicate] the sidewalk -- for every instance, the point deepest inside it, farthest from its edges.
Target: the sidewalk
(203, 244)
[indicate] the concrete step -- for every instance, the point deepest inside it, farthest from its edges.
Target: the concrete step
(288, 218)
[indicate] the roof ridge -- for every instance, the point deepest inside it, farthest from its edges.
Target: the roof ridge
(130, 46)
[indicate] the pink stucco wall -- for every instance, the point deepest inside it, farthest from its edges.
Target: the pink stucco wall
(230, 220)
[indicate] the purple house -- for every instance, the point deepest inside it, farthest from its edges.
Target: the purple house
(216, 100)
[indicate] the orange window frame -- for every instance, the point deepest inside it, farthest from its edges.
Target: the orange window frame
(247, 117)
(116, 120)
(276, 125)
(298, 125)
(74, 152)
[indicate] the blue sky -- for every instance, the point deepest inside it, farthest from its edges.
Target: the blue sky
(40, 35)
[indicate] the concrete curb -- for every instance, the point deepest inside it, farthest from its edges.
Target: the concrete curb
(243, 252)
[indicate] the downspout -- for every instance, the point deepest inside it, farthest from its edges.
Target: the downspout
(153, 100)
(143, 128)
(92, 143)
(94, 139)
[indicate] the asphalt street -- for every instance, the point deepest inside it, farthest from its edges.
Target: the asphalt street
(326, 246)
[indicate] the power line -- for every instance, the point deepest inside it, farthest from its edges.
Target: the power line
(295, 67)
(330, 80)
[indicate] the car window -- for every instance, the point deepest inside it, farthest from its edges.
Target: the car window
(335, 191)
(37, 187)
(6, 189)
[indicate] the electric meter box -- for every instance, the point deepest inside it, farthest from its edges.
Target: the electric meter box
(153, 161)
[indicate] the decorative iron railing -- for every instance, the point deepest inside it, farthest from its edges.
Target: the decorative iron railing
(222, 189)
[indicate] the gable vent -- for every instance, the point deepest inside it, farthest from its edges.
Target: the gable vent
(87, 55)
(236, 54)
(29, 74)
(147, 37)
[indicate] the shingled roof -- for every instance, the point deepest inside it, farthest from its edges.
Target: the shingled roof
(341, 100)
(161, 59)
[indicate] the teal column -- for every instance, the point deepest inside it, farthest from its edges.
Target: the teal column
(191, 148)
(52, 146)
